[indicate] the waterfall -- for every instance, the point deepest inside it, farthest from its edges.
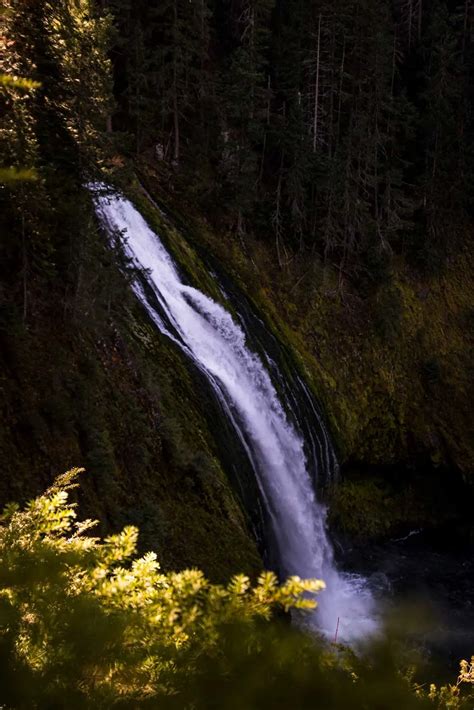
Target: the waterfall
(218, 345)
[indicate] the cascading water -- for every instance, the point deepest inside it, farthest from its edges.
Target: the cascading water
(218, 346)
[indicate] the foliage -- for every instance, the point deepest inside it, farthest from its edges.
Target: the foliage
(18, 82)
(84, 623)
(338, 128)
(59, 51)
(85, 617)
(56, 97)
(451, 696)
(10, 175)
(339, 182)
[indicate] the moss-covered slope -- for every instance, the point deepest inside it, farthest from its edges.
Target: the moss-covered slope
(113, 395)
(393, 368)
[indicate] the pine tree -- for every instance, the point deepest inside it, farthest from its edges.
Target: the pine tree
(245, 99)
(60, 131)
(446, 128)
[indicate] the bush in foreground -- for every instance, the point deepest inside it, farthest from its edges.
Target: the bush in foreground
(86, 624)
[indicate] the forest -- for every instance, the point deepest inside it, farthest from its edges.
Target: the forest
(236, 280)
(343, 131)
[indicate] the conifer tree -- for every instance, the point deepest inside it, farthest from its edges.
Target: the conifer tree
(446, 127)
(245, 100)
(59, 130)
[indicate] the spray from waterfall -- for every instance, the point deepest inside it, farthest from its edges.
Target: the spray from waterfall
(217, 344)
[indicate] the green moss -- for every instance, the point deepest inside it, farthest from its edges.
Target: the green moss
(175, 241)
(363, 510)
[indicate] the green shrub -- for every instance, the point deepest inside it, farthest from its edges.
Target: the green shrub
(83, 619)
(86, 624)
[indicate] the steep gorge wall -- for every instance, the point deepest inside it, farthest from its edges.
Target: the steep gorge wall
(393, 368)
(119, 399)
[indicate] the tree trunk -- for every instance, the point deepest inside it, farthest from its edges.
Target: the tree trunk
(277, 215)
(330, 121)
(175, 87)
(24, 268)
(410, 20)
(316, 89)
(466, 22)
(339, 102)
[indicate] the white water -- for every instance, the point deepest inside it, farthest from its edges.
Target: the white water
(217, 345)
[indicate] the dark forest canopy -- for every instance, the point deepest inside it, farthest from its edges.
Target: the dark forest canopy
(343, 128)
(340, 127)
